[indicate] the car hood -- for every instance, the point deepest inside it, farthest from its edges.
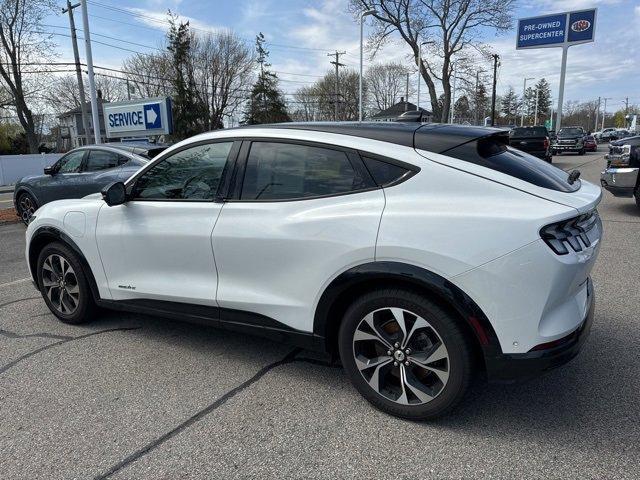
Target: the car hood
(569, 137)
(31, 178)
(96, 196)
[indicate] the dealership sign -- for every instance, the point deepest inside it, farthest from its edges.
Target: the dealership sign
(556, 30)
(142, 117)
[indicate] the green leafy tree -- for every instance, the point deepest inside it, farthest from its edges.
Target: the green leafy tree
(189, 113)
(266, 102)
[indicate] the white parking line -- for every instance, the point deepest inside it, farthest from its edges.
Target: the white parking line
(15, 282)
(6, 201)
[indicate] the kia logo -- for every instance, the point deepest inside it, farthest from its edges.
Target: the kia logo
(580, 25)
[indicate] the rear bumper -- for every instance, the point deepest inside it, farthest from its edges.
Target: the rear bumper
(621, 182)
(509, 368)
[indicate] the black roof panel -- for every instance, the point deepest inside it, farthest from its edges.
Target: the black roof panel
(432, 137)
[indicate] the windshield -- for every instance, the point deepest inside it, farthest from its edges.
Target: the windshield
(529, 132)
(570, 131)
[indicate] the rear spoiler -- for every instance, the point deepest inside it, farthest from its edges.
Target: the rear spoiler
(439, 137)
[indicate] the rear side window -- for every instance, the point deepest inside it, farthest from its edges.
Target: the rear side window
(529, 132)
(384, 173)
(494, 154)
(281, 171)
(101, 160)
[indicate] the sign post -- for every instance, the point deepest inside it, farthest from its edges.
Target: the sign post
(142, 117)
(557, 30)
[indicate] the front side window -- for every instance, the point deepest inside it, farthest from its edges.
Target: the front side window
(190, 174)
(280, 171)
(101, 160)
(71, 162)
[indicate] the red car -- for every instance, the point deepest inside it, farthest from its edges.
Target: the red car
(590, 144)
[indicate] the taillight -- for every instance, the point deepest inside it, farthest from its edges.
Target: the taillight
(572, 233)
(546, 142)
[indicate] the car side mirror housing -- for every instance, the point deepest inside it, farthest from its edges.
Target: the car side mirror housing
(114, 194)
(50, 170)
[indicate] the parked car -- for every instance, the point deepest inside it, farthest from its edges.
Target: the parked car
(590, 144)
(623, 162)
(80, 172)
(533, 140)
(570, 139)
(387, 244)
(603, 135)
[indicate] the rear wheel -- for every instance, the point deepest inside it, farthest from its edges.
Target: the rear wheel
(404, 354)
(636, 195)
(26, 207)
(63, 284)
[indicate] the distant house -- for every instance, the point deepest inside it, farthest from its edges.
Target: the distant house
(393, 112)
(72, 133)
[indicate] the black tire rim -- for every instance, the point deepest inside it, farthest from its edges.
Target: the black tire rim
(60, 284)
(27, 208)
(401, 356)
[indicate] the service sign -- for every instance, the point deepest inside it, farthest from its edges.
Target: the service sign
(142, 117)
(556, 30)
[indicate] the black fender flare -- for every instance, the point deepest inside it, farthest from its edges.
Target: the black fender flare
(46, 234)
(376, 274)
(25, 188)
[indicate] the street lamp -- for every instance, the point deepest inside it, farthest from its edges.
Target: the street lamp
(362, 15)
(454, 72)
(524, 89)
(428, 42)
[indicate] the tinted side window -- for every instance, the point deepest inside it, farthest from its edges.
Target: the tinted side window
(384, 173)
(190, 174)
(71, 162)
(279, 171)
(101, 160)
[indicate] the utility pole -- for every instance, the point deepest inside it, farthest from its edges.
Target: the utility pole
(337, 64)
(604, 111)
(493, 95)
(524, 100)
(76, 57)
(597, 114)
(406, 99)
(92, 83)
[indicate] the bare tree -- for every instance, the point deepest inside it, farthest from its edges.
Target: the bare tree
(22, 43)
(453, 26)
(305, 106)
(62, 92)
(324, 91)
(149, 74)
(386, 83)
(223, 69)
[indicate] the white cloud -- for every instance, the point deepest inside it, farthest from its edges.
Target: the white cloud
(158, 19)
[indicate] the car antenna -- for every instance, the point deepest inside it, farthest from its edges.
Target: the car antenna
(573, 176)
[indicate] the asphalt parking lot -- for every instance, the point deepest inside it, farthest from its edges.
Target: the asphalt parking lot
(130, 396)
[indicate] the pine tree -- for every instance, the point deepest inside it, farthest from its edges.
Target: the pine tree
(480, 104)
(544, 100)
(188, 113)
(266, 103)
(510, 105)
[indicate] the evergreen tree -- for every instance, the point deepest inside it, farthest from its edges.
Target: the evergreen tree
(480, 104)
(462, 110)
(510, 105)
(544, 100)
(266, 103)
(189, 114)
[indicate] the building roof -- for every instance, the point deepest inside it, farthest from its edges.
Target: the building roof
(398, 109)
(77, 111)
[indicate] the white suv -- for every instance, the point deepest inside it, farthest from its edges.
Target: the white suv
(421, 254)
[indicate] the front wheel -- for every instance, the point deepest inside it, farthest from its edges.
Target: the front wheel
(26, 207)
(404, 354)
(63, 284)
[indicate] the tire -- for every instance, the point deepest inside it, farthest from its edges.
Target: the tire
(75, 303)
(26, 206)
(447, 378)
(636, 195)
(582, 152)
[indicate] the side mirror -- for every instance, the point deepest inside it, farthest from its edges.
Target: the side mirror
(50, 170)
(114, 194)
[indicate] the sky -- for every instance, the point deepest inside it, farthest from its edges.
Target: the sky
(300, 34)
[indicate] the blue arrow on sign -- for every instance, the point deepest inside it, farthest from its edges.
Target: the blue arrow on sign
(152, 118)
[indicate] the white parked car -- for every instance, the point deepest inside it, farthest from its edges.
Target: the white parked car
(422, 255)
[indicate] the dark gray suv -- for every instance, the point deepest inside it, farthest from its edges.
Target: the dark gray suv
(80, 172)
